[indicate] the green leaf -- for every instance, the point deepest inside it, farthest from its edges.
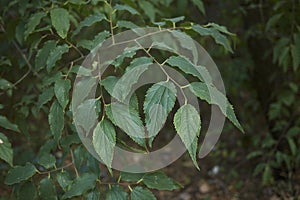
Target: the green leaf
(139, 193)
(159, 101)
(160, 181)
(267, 175)
(56, 120)
(187, 124)
(47, 189)
(104, 141)
(47, 160)
(189, 68)
(199, 5)
(27, 191)
(5, 123)
(148, 9)
(126, 24)
(212, 95)
(128, 120)
(85, 115)
(127, 8)
(116, 193)
(131, 177)
(61, 89)
(90, 20)
(175, 20)
(45, 97)
(33, 21)
(56, 55)
(6, 152)
(82, 90)
(91, 44)
(64, 180)
(43, 54)
(60, 21)
(295, 50)
(20, 173)
(109, 83)
(81, 185)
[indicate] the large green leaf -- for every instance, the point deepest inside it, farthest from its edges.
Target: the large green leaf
(61, 89)
(47, 189)
(56, 55)
(33, 21)
(20, 173)
(5, 123)
(104, 141)
(60, 21)
(212, 95)
(81, 185)
(6, 152)
(128, 120)
(159, 101)
(139, 193)
(189, 68)
(46, 159)
(116, 193)
(187, 124)
(160, 181)
(90, 20)
(56, 119)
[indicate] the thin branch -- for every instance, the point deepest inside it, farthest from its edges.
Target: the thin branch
(73, 162)
(57, 169)
(111, 23)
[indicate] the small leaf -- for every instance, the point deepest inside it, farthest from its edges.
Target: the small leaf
(127, 8)
(293, 146)
(273, 20)
(20, 173)
(47, 189)
(5, 123)
(187, 124)
(43, 54)
(199, 5)
(6, 152)
(139, 193)
(61, 89)
(45, 97)
(104, 141)
(126, 24)
(82, 90)
(81, 185)
(116, 193)
(56, 120)
(158, 180)
(56, 55)
(176, 19)
(64, 180)
(60, 21)
(90, 20)
(33, 21)
(27, 191)
(295, 50)
(47, 160)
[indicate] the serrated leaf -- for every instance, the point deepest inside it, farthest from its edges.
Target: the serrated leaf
(5, 123)
(188, 124)
(127, 8)
(126, 24)
(293, 146)
(267, 175)
(104, 141)
(90, 20)
(20, 173)
(81, 90)
(91, 44)
(60, 21)
(128, 120)
(6, 152)
(56, 55)
(81, 185)
(212, 95)
(159, 180)
(189, 68)
(199, 5)
(139, 193)
(159, 101)
(61, 89)
(56, 120)
(43, 54)
(47, 189)
(33, 21)
(45, 97)
(85, 115)
(273, 20)
(148, 9)
(116, 193)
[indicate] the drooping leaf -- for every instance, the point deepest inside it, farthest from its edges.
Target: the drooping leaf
(126, 24)
(160, 181)
(56, 55)
(199, 5)
(60, 21)
(45, 97)
(187, 124)
(94, 195)
(61, 89)
(139, 193)
(104, 141)
(127, 8)
(47, 189)
(212, 95)
(5, 123)
(20, 173)
(64, 180)
(295, 50)
(33, 21)
(90, 20)
(56, 120)
(189, 68)
(6, 152)
(159, 101)
(128, 120)
(81, 185)
(116, 193)
(273, 20)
